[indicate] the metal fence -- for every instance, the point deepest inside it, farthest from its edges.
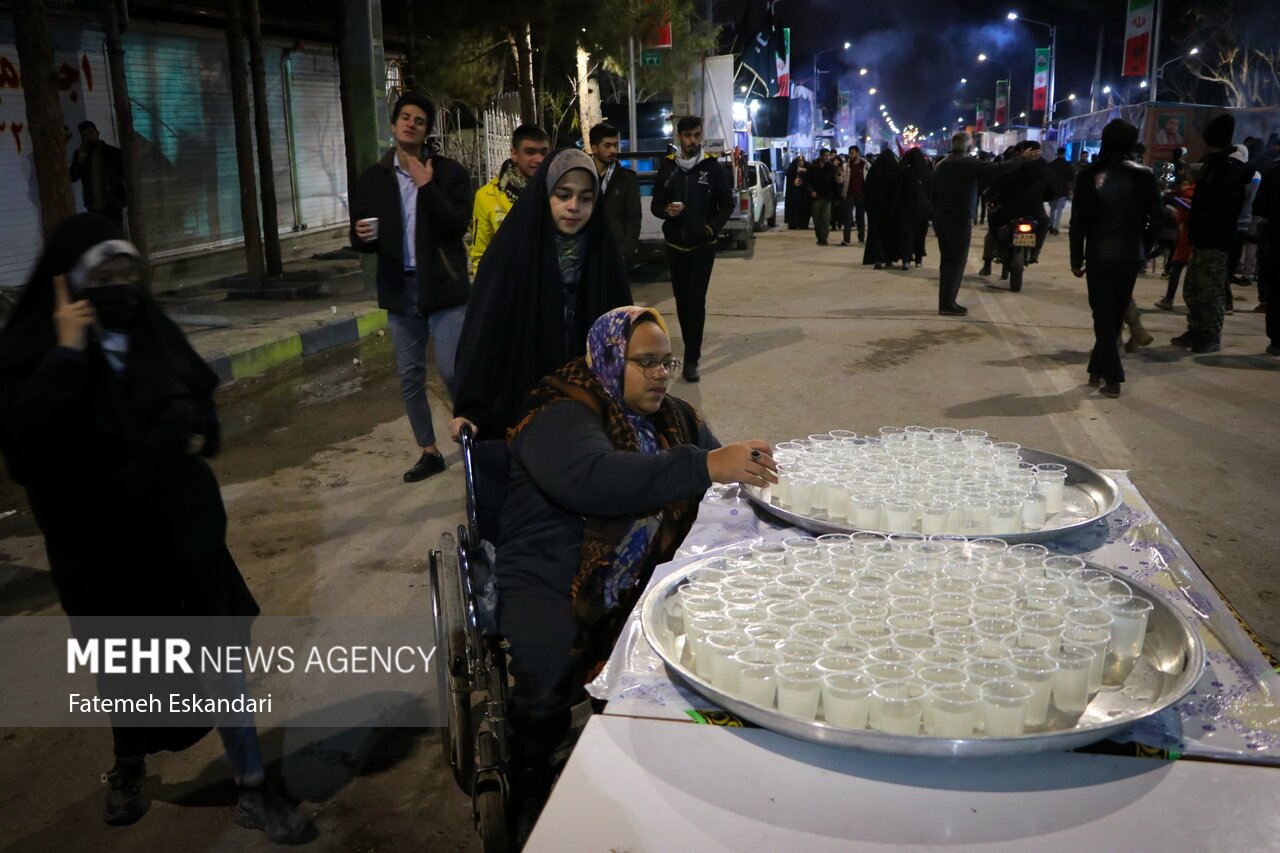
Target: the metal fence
(497, 126)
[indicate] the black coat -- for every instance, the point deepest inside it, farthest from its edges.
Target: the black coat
(109, 159)
(910, 210)
(798, 203)
(708, 201)
(444, 212)
(1115, 214)
(1219, 196)
(880, 188)
(622, 209)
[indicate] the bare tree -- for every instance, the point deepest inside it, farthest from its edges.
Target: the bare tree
(1239, 51)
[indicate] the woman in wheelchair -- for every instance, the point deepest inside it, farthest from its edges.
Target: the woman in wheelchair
(607, 470)
(551, 270)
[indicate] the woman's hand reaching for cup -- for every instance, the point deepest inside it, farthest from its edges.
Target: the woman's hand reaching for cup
(747, 462)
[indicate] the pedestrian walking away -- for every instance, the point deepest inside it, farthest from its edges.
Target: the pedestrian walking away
(411, 209)
(910, 210)
(529, 147)
(88, 360)
(880, 186)
(693, 197)
(855, 179)
(1064, 177)
(1115, 221)
(552, 270)
(953, 191)
(1266, 206)
(1220, 187)
(619, 190)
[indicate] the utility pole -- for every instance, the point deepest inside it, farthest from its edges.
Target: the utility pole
(1154, 82)
(631, 93)
(1097, 67)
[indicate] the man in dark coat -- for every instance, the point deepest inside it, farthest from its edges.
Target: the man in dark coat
(1115, 220)
(824, 188)
(880, 186)
(412, 208)
(619, 189)
(1018, 197)
(100, 169)
(1064, 178)
(953, 188)
(1266, 206)
(1220, 187)
(693, 197)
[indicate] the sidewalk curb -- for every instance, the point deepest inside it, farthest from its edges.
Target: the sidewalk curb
(259, 358)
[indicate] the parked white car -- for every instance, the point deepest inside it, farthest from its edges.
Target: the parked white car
(764, 198)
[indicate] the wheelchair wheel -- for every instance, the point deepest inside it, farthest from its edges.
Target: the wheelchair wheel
(458, 735)
(489, 799)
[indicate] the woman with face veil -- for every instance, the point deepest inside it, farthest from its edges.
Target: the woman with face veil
(551, 270)
(106, 416)
(910, 209)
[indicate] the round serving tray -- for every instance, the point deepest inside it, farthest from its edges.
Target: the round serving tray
(1172, 660)
(1089, 496)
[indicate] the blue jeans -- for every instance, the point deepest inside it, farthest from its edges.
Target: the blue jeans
(410, 334)
(1056, 206)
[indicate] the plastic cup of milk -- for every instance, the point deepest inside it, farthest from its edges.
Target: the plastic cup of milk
(952, 711)
(897, 707)
(1036, 671)
(846, 699)
(757, 681)
(1129, 626)
(1004, 707)
(799, 687)
(1071, 681)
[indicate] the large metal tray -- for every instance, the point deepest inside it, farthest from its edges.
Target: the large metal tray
(1172, 660)
(1089, 496)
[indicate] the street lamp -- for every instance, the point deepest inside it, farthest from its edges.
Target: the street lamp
(1159, 75)
(871, 91)
(816, 100)
(964, 80)
(982, 57)
(1053, 59)
(862, 72)
(1070, 97)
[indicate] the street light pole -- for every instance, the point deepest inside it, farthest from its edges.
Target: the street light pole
(1155, 52)
(1053, 60)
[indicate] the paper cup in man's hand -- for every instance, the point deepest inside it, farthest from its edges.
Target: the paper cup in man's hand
(372, 224)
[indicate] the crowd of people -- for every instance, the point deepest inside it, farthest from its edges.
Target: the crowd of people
(1214, 222)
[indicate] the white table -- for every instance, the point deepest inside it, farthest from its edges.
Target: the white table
(651, 785)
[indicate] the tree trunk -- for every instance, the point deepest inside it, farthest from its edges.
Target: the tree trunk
(345, 94)
(262, 130)
(244, 145)
(522, 44)
(45, 122)
(124, 126)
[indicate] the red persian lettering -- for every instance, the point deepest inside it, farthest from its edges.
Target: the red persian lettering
(9, 78)
(67, 79)
(87, 71)
(16, 130)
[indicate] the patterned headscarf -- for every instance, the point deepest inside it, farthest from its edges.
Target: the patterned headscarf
(607, 343)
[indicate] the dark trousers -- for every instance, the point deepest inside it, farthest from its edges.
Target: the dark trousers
(821, 220)
(690, 278)
(1175, 275)
(1110, 292)
(854, 213)
(954, 233)
(1269, 287)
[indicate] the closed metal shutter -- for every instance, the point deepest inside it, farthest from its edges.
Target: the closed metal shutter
(319, 146)
(82, 77)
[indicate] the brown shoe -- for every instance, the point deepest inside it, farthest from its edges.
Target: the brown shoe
(1112, 390)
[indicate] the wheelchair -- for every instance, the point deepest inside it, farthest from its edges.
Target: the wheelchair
(474, 667)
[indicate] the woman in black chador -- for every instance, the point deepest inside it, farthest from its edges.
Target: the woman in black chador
(880, 188)
(106, 418)
(910, 209)
(798, 203)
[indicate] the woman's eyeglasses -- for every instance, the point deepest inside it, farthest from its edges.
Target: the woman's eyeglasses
(651, 365)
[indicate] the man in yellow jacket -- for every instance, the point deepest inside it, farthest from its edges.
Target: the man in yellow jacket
(529, 145)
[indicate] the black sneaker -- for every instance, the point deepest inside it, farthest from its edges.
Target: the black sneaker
(427, 465)
(262, 808)
(1184, 340)
(1206, 346)
(953, 311)
(691, 373)
(126, 802)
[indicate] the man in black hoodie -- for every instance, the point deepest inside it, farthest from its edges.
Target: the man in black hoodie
(693, 196)
(1212, 228)
(412, 208)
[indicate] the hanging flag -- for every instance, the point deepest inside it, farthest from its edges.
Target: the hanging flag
(1002, 102)
(980, 120)
(1137, 37)
(784, 65)
(1040, 95)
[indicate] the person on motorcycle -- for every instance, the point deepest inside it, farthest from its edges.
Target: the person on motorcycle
(1020, 197)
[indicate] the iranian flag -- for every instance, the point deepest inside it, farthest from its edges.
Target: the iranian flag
(1137, 37)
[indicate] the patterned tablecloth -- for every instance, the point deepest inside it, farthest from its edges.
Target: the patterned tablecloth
(1232, 714)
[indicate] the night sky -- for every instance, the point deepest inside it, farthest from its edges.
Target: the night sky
(917, 50)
